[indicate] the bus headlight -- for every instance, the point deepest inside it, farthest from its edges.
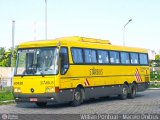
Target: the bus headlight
(49, 89)
(17, 90)
(52, 89)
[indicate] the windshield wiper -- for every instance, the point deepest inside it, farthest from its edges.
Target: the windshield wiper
(22, 76)
(42, 74)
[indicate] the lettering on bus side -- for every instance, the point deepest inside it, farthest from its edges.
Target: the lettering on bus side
(46, 82)
(18, 83)
(95, 71)
(144, 68)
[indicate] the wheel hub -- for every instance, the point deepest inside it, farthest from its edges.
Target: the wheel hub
(77, 96)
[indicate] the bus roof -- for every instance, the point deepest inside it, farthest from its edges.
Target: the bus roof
(76, 41)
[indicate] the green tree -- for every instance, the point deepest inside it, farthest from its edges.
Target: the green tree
(2, 52)
(5, 57)
(157, 57)
(13, 57)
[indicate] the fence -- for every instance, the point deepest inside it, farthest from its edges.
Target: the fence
(5, 82)
(5, 78)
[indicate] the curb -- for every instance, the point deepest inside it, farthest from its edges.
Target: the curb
(153, 88)
(7, 101)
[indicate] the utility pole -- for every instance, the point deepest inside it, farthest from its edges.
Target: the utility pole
(12, 55)
(124, 31)
(46, 19)
(35, 30)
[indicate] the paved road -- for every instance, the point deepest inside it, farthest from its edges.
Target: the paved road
(145, 102)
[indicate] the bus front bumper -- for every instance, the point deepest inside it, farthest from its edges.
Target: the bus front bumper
(59, 97)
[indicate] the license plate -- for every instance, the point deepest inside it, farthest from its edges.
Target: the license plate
(33, 99)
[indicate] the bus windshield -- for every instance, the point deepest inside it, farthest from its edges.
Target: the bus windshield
(40, 61)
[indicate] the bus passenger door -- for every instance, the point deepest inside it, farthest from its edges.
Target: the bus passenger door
(65, 81)
(64, 61)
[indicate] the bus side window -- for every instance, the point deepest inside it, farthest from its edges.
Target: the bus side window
(143, 59)
(102, 56)
(64, 60)
(114, 57)
(125, 58)
(134, 58)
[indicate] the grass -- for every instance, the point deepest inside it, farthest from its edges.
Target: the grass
(6, 103)
(154, 86)
(6, 94)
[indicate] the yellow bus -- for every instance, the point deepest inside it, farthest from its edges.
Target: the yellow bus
(74, 69)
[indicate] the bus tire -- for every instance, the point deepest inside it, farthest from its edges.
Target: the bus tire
(124, 92)
(133, 91)
(41, 104)
(77, 97)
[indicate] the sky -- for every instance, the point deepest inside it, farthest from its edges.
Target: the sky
(103, 19)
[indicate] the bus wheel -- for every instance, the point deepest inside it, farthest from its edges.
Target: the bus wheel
(133, 91)
(124, 92)
(41, 104)
(78, 97)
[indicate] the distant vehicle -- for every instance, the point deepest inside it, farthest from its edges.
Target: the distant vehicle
(74, 69)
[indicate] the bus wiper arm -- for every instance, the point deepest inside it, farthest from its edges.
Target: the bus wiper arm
(22, 75)
(42, 74)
